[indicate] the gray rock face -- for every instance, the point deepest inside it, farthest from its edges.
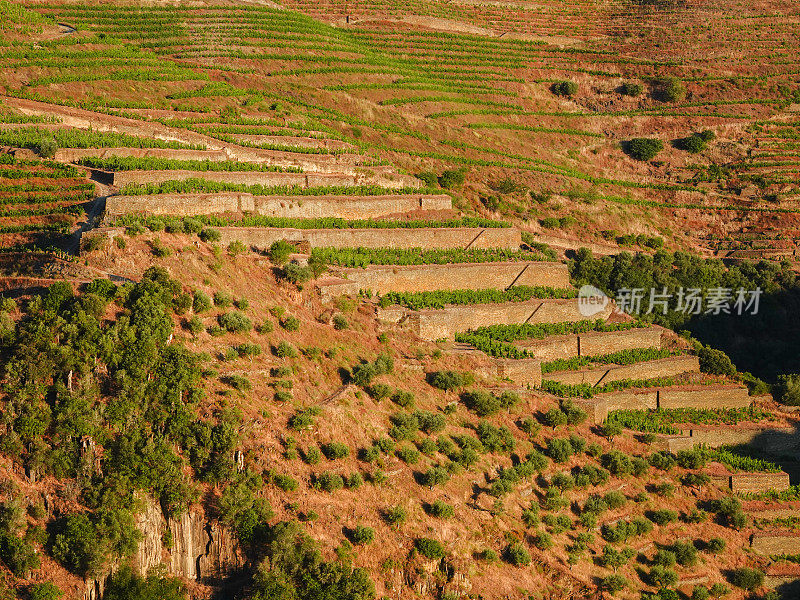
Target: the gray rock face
(201, 549)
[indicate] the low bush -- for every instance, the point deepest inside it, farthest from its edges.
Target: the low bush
(643, 149)
(441, 510)
(517, 555)
(564, 88)
(450, 380)
(362, 535)
(747, 579)
(429, 548)
(335, 450)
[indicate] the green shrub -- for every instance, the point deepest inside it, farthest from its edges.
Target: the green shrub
(542, 540)
(661, 576)
(787, 390)
(643, 149)
(559, 449)
(290, 323)
(329, 482)
(488, 555)
(747, 579)
(44, 591)
(700, 592)
(564, 88)
(340, 322)
(312, 455)
(279, 252)
(613, 583)
(201, 302)
(354, 481)
(408, 454)
(429, 548)
(485, 404)
(395, 515)
(435, 476)
(495, 439)
(663, 516)
(518, 555)
(379, 391)
(670, 89)
(631, 89)
(441, 510)
(285, 350)
(685, 553)
(296, 274)
(430, 422)
(235, 322)
(335, 450)
(715, 546)
(452, 178)
(210, 235)
(715, 362)
(362, 535)
(223, 299)
(719, 589)
(450, 380)
(403, 398)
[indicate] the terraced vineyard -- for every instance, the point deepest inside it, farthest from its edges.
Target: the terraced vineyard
(41, 202)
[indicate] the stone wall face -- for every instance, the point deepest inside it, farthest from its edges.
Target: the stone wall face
(76, 154)
(599, 342)
(592, 343)
(552, 347)
(631, 400)
(437, 324)
(665, 367)
(427, 238)
(524, 372)
(776, 441)
(496, 275)
(181, 205)
(705, 397)
(348, 207)
(305, 207)
(759, 482)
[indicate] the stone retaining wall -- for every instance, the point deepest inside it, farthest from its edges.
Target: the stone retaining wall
(592, 343)
(72, 155)
(782, 441)
(444, 323)
(705, 396)
(382, 279)
(305, 207)
(754, 482)
(426, 238)
(776, 543)
(664, 367)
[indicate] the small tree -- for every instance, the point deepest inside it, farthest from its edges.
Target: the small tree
(613, 583)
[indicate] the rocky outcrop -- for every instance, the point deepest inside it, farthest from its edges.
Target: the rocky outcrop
(199, 548)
